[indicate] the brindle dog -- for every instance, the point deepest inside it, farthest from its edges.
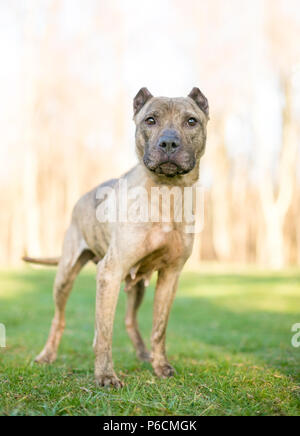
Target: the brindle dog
(170, 140)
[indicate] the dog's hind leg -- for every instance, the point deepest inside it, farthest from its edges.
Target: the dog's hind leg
(75, 255)
(134, 299)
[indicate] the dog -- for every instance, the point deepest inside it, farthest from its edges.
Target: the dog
(170, 141)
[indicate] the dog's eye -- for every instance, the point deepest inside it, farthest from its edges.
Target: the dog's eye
(192, 122)
(150, 121)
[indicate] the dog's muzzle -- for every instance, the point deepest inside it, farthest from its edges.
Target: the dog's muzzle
(168, 156)
(168, 168)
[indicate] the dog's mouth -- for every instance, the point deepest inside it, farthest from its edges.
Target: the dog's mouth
(167, 168)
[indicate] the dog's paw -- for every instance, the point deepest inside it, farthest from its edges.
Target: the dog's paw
(143, 355)
(45, 357)
(165, 370)
(109, 380)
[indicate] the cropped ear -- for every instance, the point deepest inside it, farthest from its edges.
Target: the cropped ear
(200, 100)
(140, 99)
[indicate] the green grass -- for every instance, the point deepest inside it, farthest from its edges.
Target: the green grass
(229, 339)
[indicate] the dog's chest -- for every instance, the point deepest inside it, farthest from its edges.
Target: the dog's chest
(174, 248)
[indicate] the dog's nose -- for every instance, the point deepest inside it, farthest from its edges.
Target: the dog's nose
(169, 142)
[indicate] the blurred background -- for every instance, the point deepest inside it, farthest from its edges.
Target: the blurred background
(69, 72)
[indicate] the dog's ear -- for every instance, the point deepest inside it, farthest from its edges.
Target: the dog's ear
(140, 99)
(200, 100)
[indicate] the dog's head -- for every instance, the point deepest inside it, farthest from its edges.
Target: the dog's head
(170, 132)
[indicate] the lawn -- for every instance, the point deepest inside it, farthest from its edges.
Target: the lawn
(229, 339)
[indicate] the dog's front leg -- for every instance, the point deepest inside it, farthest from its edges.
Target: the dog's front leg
(108, 286)
(164, 295)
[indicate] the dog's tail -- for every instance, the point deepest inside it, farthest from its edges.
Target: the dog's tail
(53, 261)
